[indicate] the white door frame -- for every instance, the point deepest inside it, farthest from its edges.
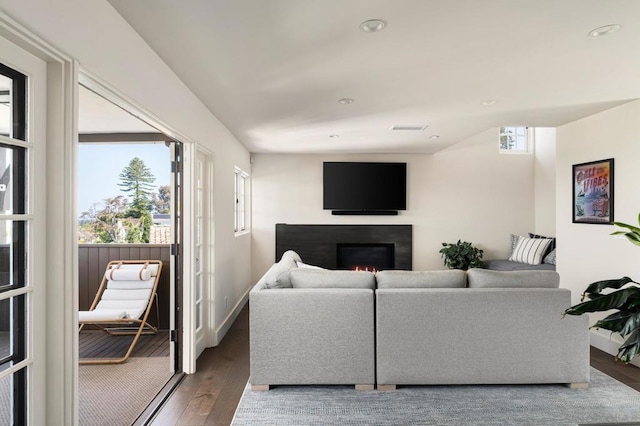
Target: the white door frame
(54, 374)
(102, 88)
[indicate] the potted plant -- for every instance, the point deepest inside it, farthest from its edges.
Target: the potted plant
(461, 255)
(625, 300)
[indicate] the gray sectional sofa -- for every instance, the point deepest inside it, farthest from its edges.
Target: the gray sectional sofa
(413, 328)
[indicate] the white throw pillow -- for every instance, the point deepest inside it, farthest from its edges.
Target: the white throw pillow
(530, 250)
(277, 276)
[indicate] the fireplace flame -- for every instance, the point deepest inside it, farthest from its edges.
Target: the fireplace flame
(365, 268)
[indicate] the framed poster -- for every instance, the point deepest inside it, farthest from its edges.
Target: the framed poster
(593, 192)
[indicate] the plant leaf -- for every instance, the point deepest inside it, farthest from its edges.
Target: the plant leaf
(630, 348)
(613, 300)
(632, 324)
(598, 286)
(631, 228)
(632, 235)
(614, 322)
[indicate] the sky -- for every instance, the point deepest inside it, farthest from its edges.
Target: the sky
(100, 165)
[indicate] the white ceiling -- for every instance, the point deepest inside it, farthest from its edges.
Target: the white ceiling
(273, 70)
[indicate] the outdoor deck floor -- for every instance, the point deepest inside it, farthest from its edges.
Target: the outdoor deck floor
(97, 344)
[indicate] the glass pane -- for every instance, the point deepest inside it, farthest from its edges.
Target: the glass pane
(13, 412)
(12, 183)
(198, 316)
(12, 331)
(198, 259)
(6, 400)
(5, 106)
(13, 109)
(198, 286)
(198, 230)
(12, 254)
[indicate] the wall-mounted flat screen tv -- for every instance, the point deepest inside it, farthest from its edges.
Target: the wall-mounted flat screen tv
(362, 187)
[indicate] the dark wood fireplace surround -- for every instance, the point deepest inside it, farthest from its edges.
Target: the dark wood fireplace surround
(318, 244)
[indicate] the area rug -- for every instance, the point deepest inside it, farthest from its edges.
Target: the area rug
(116, 394)
(606, 401)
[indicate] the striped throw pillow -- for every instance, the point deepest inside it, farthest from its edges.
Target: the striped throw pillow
(530, 250)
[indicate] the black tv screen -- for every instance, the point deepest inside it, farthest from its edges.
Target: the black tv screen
(364, 186)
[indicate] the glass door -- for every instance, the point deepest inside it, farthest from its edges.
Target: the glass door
(15, 289)
(202, 249)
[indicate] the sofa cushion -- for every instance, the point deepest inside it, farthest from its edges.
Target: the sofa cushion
(454, 278)
(507, 265)
(276, 276)
(484, 278)
(318, 278)
(530, 250)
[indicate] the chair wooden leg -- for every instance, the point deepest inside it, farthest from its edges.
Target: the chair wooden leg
(90, 361)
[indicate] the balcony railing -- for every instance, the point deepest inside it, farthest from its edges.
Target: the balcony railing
(93, 259)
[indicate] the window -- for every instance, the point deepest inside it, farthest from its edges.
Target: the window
(240, 223)
(514, 139)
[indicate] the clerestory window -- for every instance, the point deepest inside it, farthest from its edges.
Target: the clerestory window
(514, 139)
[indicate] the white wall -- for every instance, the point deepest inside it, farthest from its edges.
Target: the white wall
(545, 180)
(468, 192)
(587, 253)
(106, 46)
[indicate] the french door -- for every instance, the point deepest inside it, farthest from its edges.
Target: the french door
(202, 250)
(22, 103)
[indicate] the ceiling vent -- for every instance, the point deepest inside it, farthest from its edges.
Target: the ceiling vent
(414, 128)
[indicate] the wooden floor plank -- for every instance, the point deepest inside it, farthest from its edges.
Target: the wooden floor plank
(173, 408)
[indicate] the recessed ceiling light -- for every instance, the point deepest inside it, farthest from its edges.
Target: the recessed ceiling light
(434, 136)
(334, 136)
(373, 25)
(605, 30)
(346, 101)
(488, 102)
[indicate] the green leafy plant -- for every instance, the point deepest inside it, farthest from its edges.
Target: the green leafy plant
(626, 321)
(461, 255)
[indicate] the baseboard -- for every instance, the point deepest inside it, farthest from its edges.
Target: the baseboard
(608, 343)
(228, 321)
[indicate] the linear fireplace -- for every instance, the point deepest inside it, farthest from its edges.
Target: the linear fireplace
(379, 246)
(378, 256)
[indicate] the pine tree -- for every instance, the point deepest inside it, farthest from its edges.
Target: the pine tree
(161, 200)
(136, 180)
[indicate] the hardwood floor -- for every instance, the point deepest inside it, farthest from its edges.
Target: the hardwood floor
(625, 373)
(210, 396)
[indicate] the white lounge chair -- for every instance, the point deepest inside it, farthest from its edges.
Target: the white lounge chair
(123, 303)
